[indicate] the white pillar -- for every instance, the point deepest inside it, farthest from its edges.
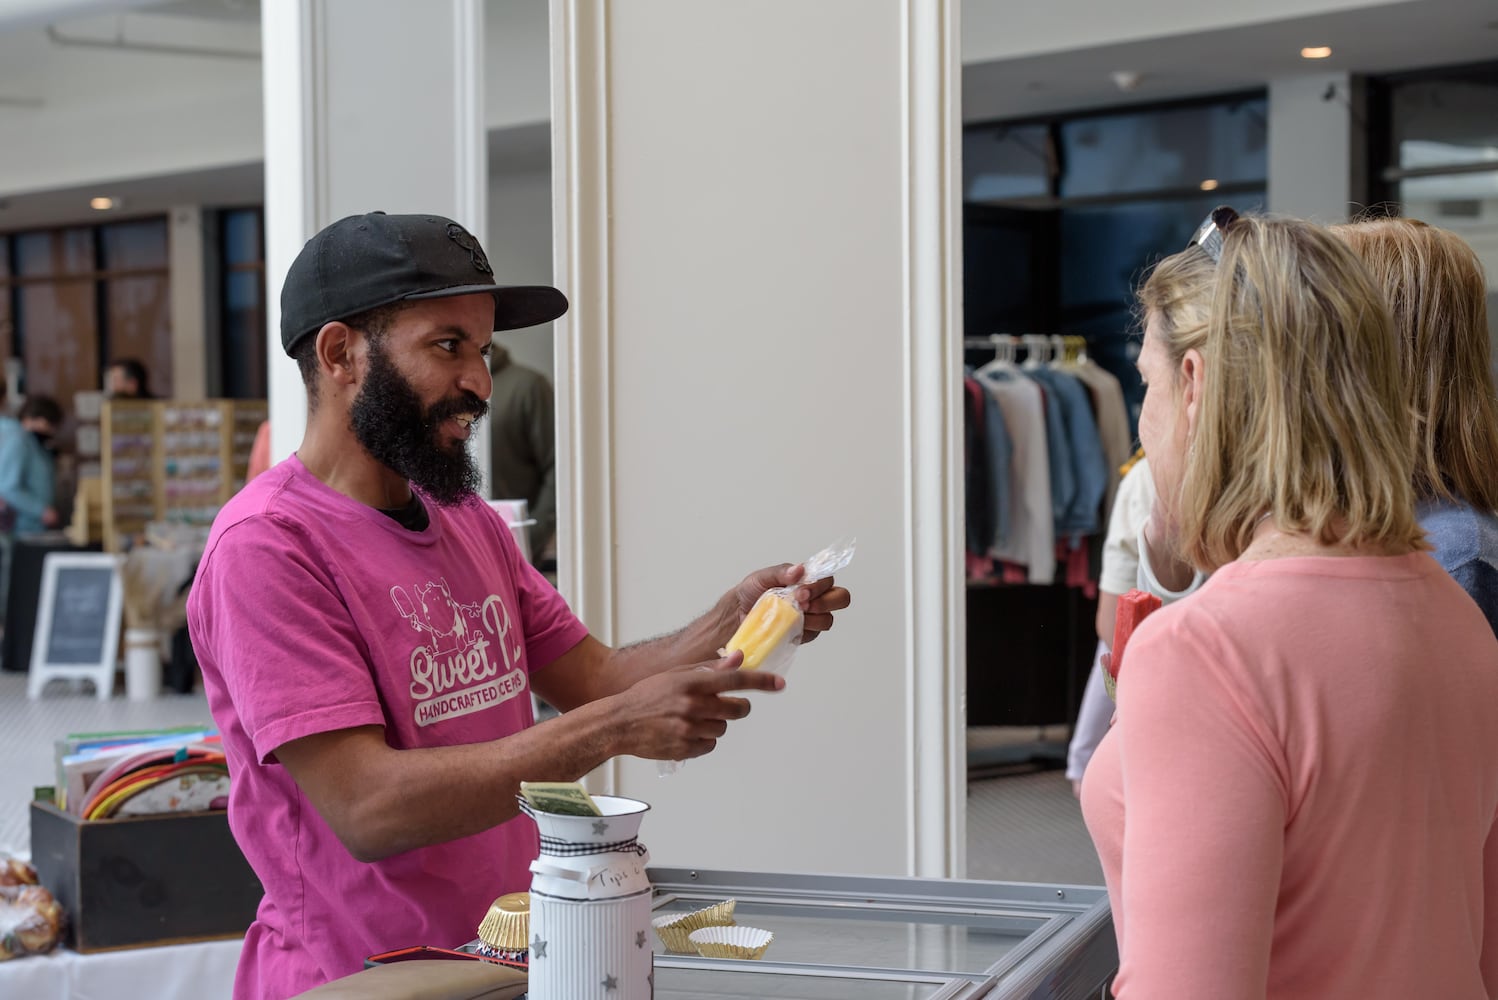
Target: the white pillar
(187, 254)
(757, 225)
(1311, 131)
(369, 105)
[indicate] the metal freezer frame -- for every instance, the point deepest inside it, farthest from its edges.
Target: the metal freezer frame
(1063, 943)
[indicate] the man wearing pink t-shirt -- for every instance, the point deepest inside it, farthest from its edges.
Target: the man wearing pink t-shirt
(370, 635)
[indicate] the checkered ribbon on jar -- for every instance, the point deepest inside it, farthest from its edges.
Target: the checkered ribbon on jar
(558, 848)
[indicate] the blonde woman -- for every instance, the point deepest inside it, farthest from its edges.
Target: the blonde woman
(1438, 294)
(1297, 800)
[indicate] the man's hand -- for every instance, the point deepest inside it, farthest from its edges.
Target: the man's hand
(50, 519)
(818, 599)
(683, 712)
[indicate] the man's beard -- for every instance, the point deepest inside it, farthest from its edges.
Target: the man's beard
(389, 420)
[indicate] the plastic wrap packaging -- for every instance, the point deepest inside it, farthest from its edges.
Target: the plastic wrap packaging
(14, 871)
(31, 921)
(771, 633)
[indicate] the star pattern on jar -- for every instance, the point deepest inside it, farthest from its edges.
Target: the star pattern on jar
(538, 948)
(610, 984)
(640, 939)
(600, 828)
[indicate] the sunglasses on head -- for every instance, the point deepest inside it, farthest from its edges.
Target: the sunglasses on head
(1209, 234)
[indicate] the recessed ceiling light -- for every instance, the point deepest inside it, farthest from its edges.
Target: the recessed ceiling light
(1209, 184)
(101, 203)
(1316, 52)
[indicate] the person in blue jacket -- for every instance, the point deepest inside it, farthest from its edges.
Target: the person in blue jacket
(26, 490)
(26, 484)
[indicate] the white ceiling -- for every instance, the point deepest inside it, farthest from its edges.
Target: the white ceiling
(1384, 37)
(224, 187)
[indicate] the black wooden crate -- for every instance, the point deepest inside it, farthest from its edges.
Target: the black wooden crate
(144, 880)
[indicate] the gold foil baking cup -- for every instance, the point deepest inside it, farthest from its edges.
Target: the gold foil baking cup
(747, 943)
(674, 929)
(507, 925)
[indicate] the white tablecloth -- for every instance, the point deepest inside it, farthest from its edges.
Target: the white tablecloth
(175, 972)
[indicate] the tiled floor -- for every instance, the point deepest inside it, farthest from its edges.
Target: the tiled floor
(1022, 827)
(28, 728)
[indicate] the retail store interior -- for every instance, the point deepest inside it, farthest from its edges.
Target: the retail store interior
(144, 214)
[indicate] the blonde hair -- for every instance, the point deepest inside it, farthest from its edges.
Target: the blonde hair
(1438, 295)
(1302, 415)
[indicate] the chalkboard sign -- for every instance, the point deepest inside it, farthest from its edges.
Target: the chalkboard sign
(77, 622)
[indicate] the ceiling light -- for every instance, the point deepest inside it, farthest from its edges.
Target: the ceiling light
(1209, 184)
(1316, 52)
(102, 204)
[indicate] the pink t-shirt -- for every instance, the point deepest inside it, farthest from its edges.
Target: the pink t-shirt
(1298, 798)
(312, 612)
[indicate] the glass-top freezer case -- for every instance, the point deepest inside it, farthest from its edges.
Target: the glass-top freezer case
(891, 938)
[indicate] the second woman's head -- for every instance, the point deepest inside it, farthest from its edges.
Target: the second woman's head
(1437, 293)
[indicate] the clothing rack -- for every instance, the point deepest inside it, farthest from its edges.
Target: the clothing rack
(1029, 635)
(1039, 348)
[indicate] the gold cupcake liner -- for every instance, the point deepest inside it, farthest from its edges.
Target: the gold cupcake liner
(674, 929)
(506, 926)
(746, 943)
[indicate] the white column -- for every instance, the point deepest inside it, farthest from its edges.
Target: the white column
(369, 105)
(187, 256)
(1311, 131)
(762, 356)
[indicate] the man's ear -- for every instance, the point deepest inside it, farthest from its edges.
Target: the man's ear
(1193, 384)
(338, 346)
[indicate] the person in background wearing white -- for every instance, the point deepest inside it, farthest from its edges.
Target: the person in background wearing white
(1124, 569)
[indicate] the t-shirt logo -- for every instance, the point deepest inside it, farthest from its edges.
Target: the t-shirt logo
(465, 659)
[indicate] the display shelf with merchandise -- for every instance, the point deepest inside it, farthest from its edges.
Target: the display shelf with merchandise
(175, 461)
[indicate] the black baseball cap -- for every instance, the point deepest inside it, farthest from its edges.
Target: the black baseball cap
(365, 261)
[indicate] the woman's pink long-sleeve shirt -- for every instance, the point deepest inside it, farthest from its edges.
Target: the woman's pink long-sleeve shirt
(1298, 798)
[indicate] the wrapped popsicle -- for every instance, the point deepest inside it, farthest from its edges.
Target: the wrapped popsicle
(1133, 608)
(770, 633)
(773, 617)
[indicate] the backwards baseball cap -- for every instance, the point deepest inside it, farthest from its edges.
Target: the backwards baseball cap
(366, 261)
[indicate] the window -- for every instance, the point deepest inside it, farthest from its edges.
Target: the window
(137, 303)
(72, 298)
(242, 353)
(1436, 151)
(1063, 217)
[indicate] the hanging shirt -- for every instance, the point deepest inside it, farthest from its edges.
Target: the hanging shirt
(1084, 452)
(1000, 457)
(978, 479)
(1030, 542)
(1058, 453)
(1112, 417)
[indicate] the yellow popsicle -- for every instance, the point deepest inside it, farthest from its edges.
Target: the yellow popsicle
(766, 625)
